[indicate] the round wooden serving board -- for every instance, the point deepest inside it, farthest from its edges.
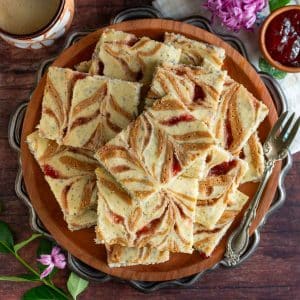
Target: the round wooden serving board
(81, 243)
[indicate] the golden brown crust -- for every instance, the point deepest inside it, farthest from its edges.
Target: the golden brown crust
(74, 163)
(116, 189)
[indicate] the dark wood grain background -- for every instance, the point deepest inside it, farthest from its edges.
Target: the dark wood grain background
(273, 272)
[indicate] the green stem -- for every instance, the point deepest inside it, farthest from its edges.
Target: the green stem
(46, 282)
(26, 265)
(19, 246)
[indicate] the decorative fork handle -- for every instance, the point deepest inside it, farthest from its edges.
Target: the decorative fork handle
(239, 239)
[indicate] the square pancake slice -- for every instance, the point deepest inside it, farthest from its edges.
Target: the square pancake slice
(125, 166)
(199, 89)
(109, 36)
(194, 52)
(190, 136)
(124, 56)
(85, 111)
(100, 109)
(156, 148)
(152, 148)
(163, 222)
(166, 139)
(252, 153)
(221, 176)
(206, 240)
(120, 256)
(56, 102)
(239, 116)
(71, 177)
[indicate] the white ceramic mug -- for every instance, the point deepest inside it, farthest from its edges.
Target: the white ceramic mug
(46, 36)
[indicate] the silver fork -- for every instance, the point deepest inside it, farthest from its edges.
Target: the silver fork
(275, 148)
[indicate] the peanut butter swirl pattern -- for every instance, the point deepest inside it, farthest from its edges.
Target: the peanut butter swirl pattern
(205, 240)
(108, 36)
(253, 154)
(209, 57)
(84, 111)
(198, 88)
(190, 136)
(56, 102)
(163, 184)
(100, 109)
(194, 52)
(156, 148)
(124, 56)
(221, 176)
(238, 117)
(70, 175)
(163, 221)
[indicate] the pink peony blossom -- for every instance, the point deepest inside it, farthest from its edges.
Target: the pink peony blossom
(55, 259)
(235, 14)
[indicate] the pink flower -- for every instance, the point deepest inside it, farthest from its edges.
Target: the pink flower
(235, 14)
(55, 259)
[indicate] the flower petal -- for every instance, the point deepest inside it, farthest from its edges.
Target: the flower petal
(59, 261)
(235, 14)
(55, 250)
(47, 271)
(45, 259)
(60, 264)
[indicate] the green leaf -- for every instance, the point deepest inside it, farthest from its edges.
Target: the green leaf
(266, 67)
(20, 278)
(274, 4)
(18, 246)
(45, 247)
(42, 292)
(76, 285)
(6, 238)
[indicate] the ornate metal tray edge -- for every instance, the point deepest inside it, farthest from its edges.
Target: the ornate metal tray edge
(15, 130)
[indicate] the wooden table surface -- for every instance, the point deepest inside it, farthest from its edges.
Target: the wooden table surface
(273, 272)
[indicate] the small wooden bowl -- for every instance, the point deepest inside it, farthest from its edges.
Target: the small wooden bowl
(262, 40)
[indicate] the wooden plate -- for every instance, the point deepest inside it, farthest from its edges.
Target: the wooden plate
(81, 243)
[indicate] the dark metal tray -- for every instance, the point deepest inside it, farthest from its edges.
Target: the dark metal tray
(15, 130)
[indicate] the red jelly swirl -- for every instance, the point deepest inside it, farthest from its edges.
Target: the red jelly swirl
(117, 219)
(149, 228)
(199, 94)
(51, 172)
(177, 119)
(176, 168)
(223, 168)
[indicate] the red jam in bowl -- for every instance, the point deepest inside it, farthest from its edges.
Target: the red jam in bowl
(283, 38)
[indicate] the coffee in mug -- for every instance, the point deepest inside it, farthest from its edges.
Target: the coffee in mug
(23, 17)
(34, 23)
